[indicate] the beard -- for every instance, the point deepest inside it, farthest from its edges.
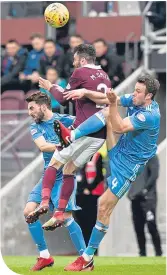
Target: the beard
(38, 118)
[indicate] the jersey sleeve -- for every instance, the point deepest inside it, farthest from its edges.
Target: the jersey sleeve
(142, 120)
(35, 132)
(66, 120)
(126, 100)
(75, 81)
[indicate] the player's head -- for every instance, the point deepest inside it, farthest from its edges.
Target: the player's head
(12, 47)
(37, 41)
(38, 106)
(145, 90)
(75, 40)
(84, 54)
(49, 47)
(100, 47)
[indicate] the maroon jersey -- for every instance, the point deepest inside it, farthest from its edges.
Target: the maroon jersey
(93, 78)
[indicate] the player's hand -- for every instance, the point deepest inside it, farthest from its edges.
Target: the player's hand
(112, 97)
(75, 94)
(45, 84)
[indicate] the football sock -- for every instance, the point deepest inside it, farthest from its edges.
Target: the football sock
(91, 125)
(66, 191)
(37, 235)
(75, 234)
(97, 235)
(48, 183)
(44, 254)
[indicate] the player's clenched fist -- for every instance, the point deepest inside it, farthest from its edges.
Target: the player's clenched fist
(111, 95)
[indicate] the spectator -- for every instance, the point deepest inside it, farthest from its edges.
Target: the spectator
(143, 196)
(157, 15)
(109, 62)
(74, 41)
(90, 187)
(52, 57)
(12, 63)
(53, 77)
(29, 77)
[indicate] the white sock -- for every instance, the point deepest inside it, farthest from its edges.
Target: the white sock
(72, 136)
(44, 254)
(87, 257)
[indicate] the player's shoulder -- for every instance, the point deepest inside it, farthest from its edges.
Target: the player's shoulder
(33, 125)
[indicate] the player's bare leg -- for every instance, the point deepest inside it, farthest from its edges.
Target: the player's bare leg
(66, 191)
(49, 178)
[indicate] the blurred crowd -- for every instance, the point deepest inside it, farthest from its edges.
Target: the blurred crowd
(20, 68)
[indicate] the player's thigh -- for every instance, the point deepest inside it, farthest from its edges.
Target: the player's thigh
(82, 148)
(106, 203)
(35, 194)
(117, 183)
(69, 168)
(87, 148)
(30, 206)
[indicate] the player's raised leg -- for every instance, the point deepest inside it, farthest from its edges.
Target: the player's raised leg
(65, 194)
(36, 232)
(47, 185)
(93, 124)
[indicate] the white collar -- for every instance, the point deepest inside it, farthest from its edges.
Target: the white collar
(92, 66)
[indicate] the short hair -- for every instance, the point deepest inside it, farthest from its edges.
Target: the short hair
(50, 41)
(40, 98)
(77, 36)
(101, 40)
(36, 35)
(51, 68)
(152, 84)
(87, 51)
(13, 41)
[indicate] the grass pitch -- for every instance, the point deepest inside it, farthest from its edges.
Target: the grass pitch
(103, 265)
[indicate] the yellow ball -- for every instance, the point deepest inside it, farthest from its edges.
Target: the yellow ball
(56, 15)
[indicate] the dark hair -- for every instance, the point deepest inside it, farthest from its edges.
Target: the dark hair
(40, 98)
(36, 35)
(13, 41)
(51, 68)
(87, 51)
(77, 36)
(49, 41)
(152, 84)
(101, 40)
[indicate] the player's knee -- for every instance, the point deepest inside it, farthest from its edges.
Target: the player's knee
(69, 168)
(55, 163)
(26, 212)
(30, 206)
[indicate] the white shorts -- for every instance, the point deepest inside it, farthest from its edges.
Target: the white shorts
(80, 151)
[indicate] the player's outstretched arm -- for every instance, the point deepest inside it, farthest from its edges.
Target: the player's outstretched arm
(55, 90)
(110, 140)
(119, 125)
(45, 146)
(95, 96)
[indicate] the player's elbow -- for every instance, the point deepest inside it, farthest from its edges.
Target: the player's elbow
(118, 130)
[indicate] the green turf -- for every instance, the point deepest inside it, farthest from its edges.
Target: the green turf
(103, 265)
